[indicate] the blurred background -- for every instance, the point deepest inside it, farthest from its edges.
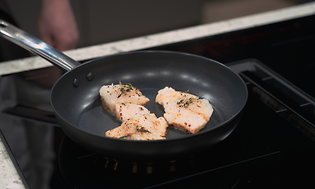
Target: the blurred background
(106, 21)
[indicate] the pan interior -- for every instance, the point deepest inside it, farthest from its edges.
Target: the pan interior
(81, 106)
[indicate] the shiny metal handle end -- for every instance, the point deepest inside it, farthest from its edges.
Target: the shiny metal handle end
(36, 46)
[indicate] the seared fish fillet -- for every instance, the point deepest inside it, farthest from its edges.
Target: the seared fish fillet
(184, 110)
(126, 103)
(142, 127)
(111, 95)
(124, 111)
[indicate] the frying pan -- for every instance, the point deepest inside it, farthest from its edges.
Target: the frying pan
(77, 105)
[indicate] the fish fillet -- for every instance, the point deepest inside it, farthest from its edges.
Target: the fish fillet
(183, 110)
(123, 111)
(126, 103)
(142, 127)
(111, 95)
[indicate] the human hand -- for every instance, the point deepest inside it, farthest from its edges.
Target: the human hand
(57, 25)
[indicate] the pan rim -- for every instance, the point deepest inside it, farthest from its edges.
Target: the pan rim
(162, 140)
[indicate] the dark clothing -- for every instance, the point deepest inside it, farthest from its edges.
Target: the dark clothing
(10, 51)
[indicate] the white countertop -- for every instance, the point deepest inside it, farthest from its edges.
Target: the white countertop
(9, 178)
(8, 175)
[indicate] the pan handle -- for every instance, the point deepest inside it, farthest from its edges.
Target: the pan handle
(36, 46)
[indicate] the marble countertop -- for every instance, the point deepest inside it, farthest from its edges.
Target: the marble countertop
(9, 177)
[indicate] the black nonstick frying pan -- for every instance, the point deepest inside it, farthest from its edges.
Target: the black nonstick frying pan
(77, 105)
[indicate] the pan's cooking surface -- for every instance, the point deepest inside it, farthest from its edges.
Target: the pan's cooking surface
(149, 72)
(93, 114)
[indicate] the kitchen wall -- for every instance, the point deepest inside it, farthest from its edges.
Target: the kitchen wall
(101, 21)
(218, 10)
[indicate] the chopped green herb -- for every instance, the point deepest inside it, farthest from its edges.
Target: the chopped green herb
(126, 87)
(185, 104)
(130, 86)
(143, 130)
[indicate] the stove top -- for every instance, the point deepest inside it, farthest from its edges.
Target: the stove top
(272, 146)
(265, 150)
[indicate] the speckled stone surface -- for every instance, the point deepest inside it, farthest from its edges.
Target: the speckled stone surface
(8, 175)
(9, 178)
